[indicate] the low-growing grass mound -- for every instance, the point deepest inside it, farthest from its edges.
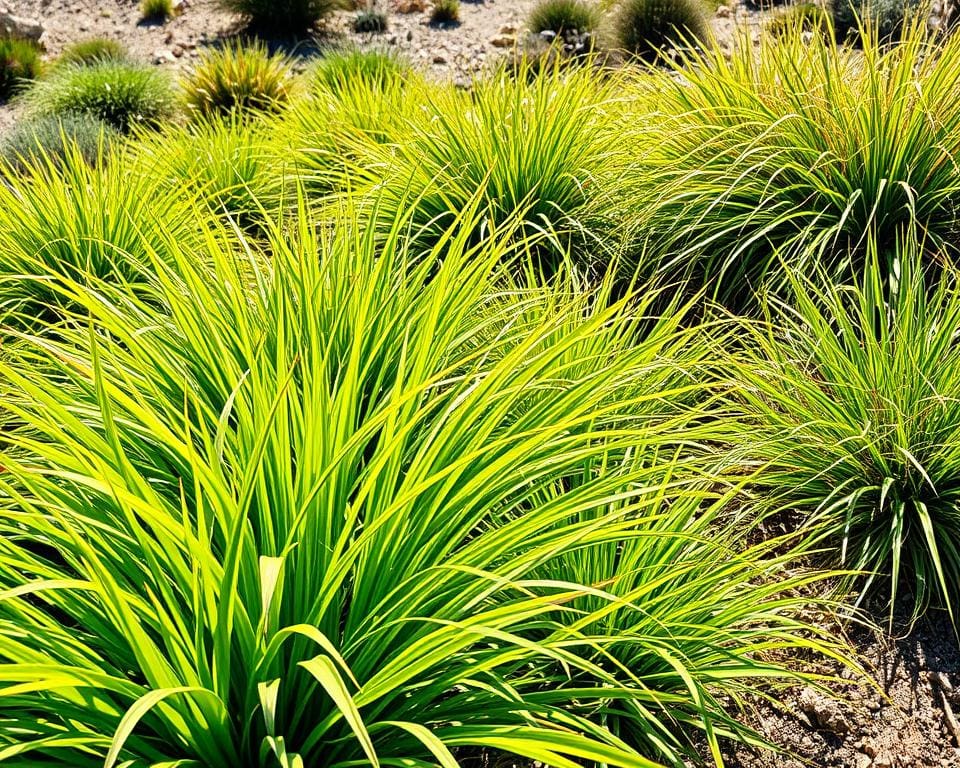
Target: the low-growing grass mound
(19, 64)
(52, 139)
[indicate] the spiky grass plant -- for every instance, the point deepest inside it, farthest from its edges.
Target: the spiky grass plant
(240, 76)
(855, 396)
(300, 510)
(647, 28)
(564, 16)
(445, 12)
(69, 223)
(19, 64)
(800, 147)
(120, 93)
(541, 145)
(93, 50)
(52, 138)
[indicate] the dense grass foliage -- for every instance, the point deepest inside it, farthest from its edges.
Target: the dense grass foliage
(855, 393)
(888, 18)
(306, 508)
(352, 432)
(156, 10)
(802, 148)
(68, 226)
(236, 77)
(120, 93)
(19, 64)
(53, 139)
(542, 149)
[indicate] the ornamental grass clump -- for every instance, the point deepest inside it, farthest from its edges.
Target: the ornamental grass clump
(646, 29)
(803, 148)
(305, 506)
(241, 76)
(93, 50)
(35, 142)
(543, 148)
(19, 65)
(564, 16)
(853, 394)
(291, 17)
(121, 93)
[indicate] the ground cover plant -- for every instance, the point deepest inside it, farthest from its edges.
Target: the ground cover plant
(19, 64)
(239, 76)
(353, 432)
(122, 94)
(53, 139)
(804, 148)
(93, 50)
(177, 470)
(854, 391)
(563, 16)
(284, 16)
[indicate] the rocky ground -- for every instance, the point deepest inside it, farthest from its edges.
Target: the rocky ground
(909, 717)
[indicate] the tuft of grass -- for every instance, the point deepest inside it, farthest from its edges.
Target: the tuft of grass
(445, 12)
(284, 16)
(853, 394)
(69, 224)
(371, 21)
(92, 51)
(538, 148)
(53, 139)
(564, 16)
(800, 18)
(803, 148)
(240, 76)
(325, 505)
(19, 65)
(338, 68)
(156, 10)
(647, 28)
(120, 93)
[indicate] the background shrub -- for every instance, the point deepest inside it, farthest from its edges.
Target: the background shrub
(156, 10)
(445, 12)
(121, 94)
(371, 21)
(19, 64)
(885, 18)
(52, 139)
(284, 16)
(647, 27)
(237, 77)
(563, 16)
(803, 17)
(92, 51)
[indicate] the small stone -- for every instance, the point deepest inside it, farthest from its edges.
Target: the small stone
(177, 51)
(508, 29)
(823, 712)
(723, 11)
(503, 41)
(883, 760)
(163, 55)
(20, 26)
(392, 40)
(409, 35)
(438, 59)
(869, 749)
(548, 35)
(167, 38)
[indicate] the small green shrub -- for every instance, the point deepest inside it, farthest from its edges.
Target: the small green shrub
(886, 19)
(804, 17)
(237, 77)
(564, 16)
(371, 22)
(92, 51)
(120, 93)
(284, 16)
(19, 64)
(156, 10)
(646, 28)
(853, 393)
(338, 68)
(52, 139)
(445, 12)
